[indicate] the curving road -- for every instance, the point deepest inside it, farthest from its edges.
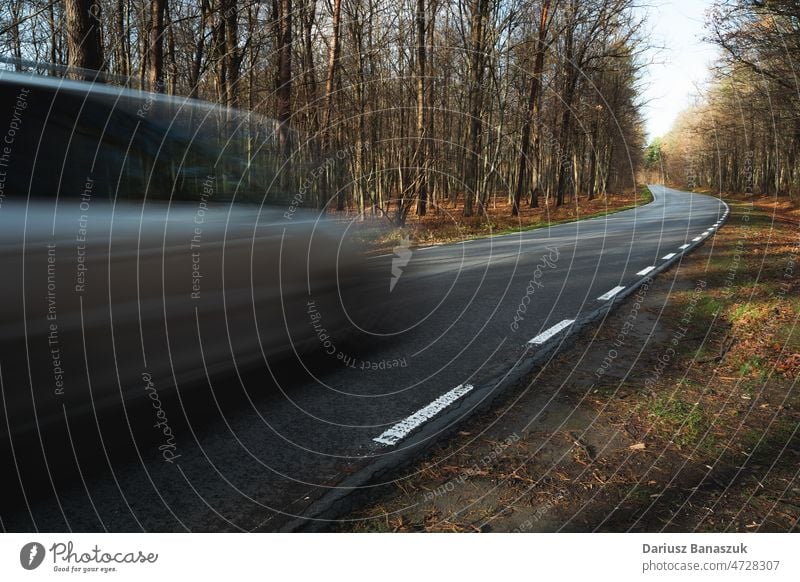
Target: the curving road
(269, 446)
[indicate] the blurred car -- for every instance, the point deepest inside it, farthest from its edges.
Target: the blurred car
(141, 242)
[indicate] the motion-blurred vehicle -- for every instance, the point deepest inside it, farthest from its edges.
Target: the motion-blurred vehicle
(147, 238)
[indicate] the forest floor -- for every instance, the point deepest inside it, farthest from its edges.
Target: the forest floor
(690, 425)
(446, 223)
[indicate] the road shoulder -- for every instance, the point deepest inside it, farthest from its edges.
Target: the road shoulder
(679, 411)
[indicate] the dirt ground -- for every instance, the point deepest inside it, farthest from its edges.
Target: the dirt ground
(679, 412)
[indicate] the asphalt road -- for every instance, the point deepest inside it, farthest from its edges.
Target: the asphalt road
(258, 448)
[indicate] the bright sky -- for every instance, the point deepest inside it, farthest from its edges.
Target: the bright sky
(682, 64)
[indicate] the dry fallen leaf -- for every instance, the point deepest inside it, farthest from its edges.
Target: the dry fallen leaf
(637, 447)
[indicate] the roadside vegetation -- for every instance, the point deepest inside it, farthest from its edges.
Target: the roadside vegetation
(698, 434)
(742, 135)
(447, 225)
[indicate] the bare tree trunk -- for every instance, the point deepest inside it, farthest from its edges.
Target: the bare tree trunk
(156, 76)
(479, 16)
(530, 113)
(309, 74)
(284, 81)
(593, 145)
(564, 164)
(199, 49)
(233, 58)
(16, 39)
(422, 139)
(358, 22)
(173, 73)
(330, 87)
(54, 36)
(84, 48)
(122, 42)
(330, 79)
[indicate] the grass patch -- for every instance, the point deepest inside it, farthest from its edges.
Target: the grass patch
(708, 307)
(682, 420)
(753, 366)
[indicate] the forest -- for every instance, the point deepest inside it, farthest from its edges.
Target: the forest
(743, 133)
(380, 108)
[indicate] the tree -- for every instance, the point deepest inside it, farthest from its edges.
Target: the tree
(530, 112)
(84, 47)
(284, 74)
(416, 105)
(423, 129)
(156, 77)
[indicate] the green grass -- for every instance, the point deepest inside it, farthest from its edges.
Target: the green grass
(708, 307)
(753, 366)
(685, 421)
(741, 311)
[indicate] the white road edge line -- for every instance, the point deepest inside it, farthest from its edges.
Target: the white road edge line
(645, 270)
(401, 430)
(548, 333)
(682, 247)
(426, 248)
(609, 294)
(667, 257)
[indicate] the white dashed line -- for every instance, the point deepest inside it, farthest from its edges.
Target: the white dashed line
(645, 271)
(667, 257)
(402, 429)
(682, 247)
(697, 238)
(547, 334)
(609, 294)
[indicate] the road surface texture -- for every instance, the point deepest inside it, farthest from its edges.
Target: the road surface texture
(283, 445)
